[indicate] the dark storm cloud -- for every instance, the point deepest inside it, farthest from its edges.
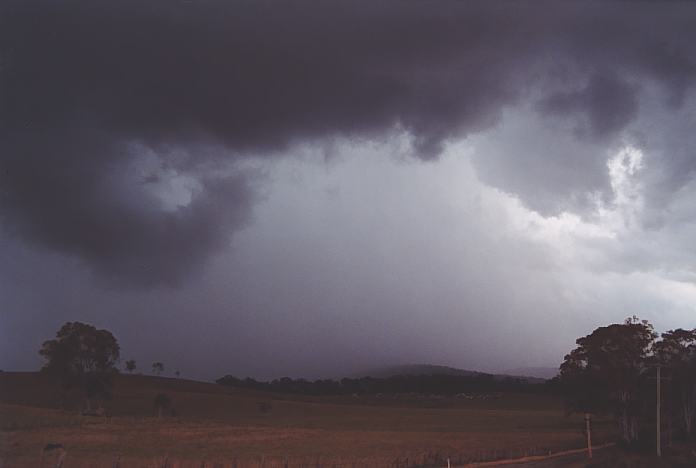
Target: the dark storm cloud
(71, 191)
(607, 102)
(85, 86)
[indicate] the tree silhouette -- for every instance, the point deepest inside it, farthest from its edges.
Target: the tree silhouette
(130, 365)
(82, 356)
(177, 373)
(603, 374)
(676, 353)
(157, 367)
(161, 402)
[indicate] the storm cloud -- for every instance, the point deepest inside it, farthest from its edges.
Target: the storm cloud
(127, 128)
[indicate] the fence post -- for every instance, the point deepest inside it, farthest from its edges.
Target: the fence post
(589, 435)
(61, 459)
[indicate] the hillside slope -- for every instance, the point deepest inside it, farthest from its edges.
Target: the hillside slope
(430, 369)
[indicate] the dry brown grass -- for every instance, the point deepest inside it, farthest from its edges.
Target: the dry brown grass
(220, 425)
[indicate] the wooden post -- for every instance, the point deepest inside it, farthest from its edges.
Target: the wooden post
(589, 435)
(658, 436)
(61, 458)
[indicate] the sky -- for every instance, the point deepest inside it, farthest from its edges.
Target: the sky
(312, 189)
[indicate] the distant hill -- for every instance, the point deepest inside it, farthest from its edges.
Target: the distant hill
(414, 369)
(538, 372)
(430, 369)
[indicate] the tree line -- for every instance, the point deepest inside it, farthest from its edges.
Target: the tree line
(426, 384)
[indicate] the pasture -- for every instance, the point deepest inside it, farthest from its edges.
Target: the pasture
(220, 425)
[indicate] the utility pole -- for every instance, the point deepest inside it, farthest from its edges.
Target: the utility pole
(589, 436)
(659, 437)
(658, 403)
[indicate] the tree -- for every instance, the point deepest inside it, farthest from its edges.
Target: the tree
(157, 367)
(161, 403)
(177, 373)
(82, 356)
(603, 374)
(130, 365)
(676, 353)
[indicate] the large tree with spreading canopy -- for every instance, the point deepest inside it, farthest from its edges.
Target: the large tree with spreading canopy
(82, 356)
(604, 373)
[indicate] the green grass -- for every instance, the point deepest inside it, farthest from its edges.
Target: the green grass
(224, 424)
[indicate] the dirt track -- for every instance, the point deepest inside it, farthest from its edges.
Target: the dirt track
(572, 458)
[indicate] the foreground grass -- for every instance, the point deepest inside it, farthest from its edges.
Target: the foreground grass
(218, 424)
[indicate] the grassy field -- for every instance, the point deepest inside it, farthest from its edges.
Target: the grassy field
(226, 426)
